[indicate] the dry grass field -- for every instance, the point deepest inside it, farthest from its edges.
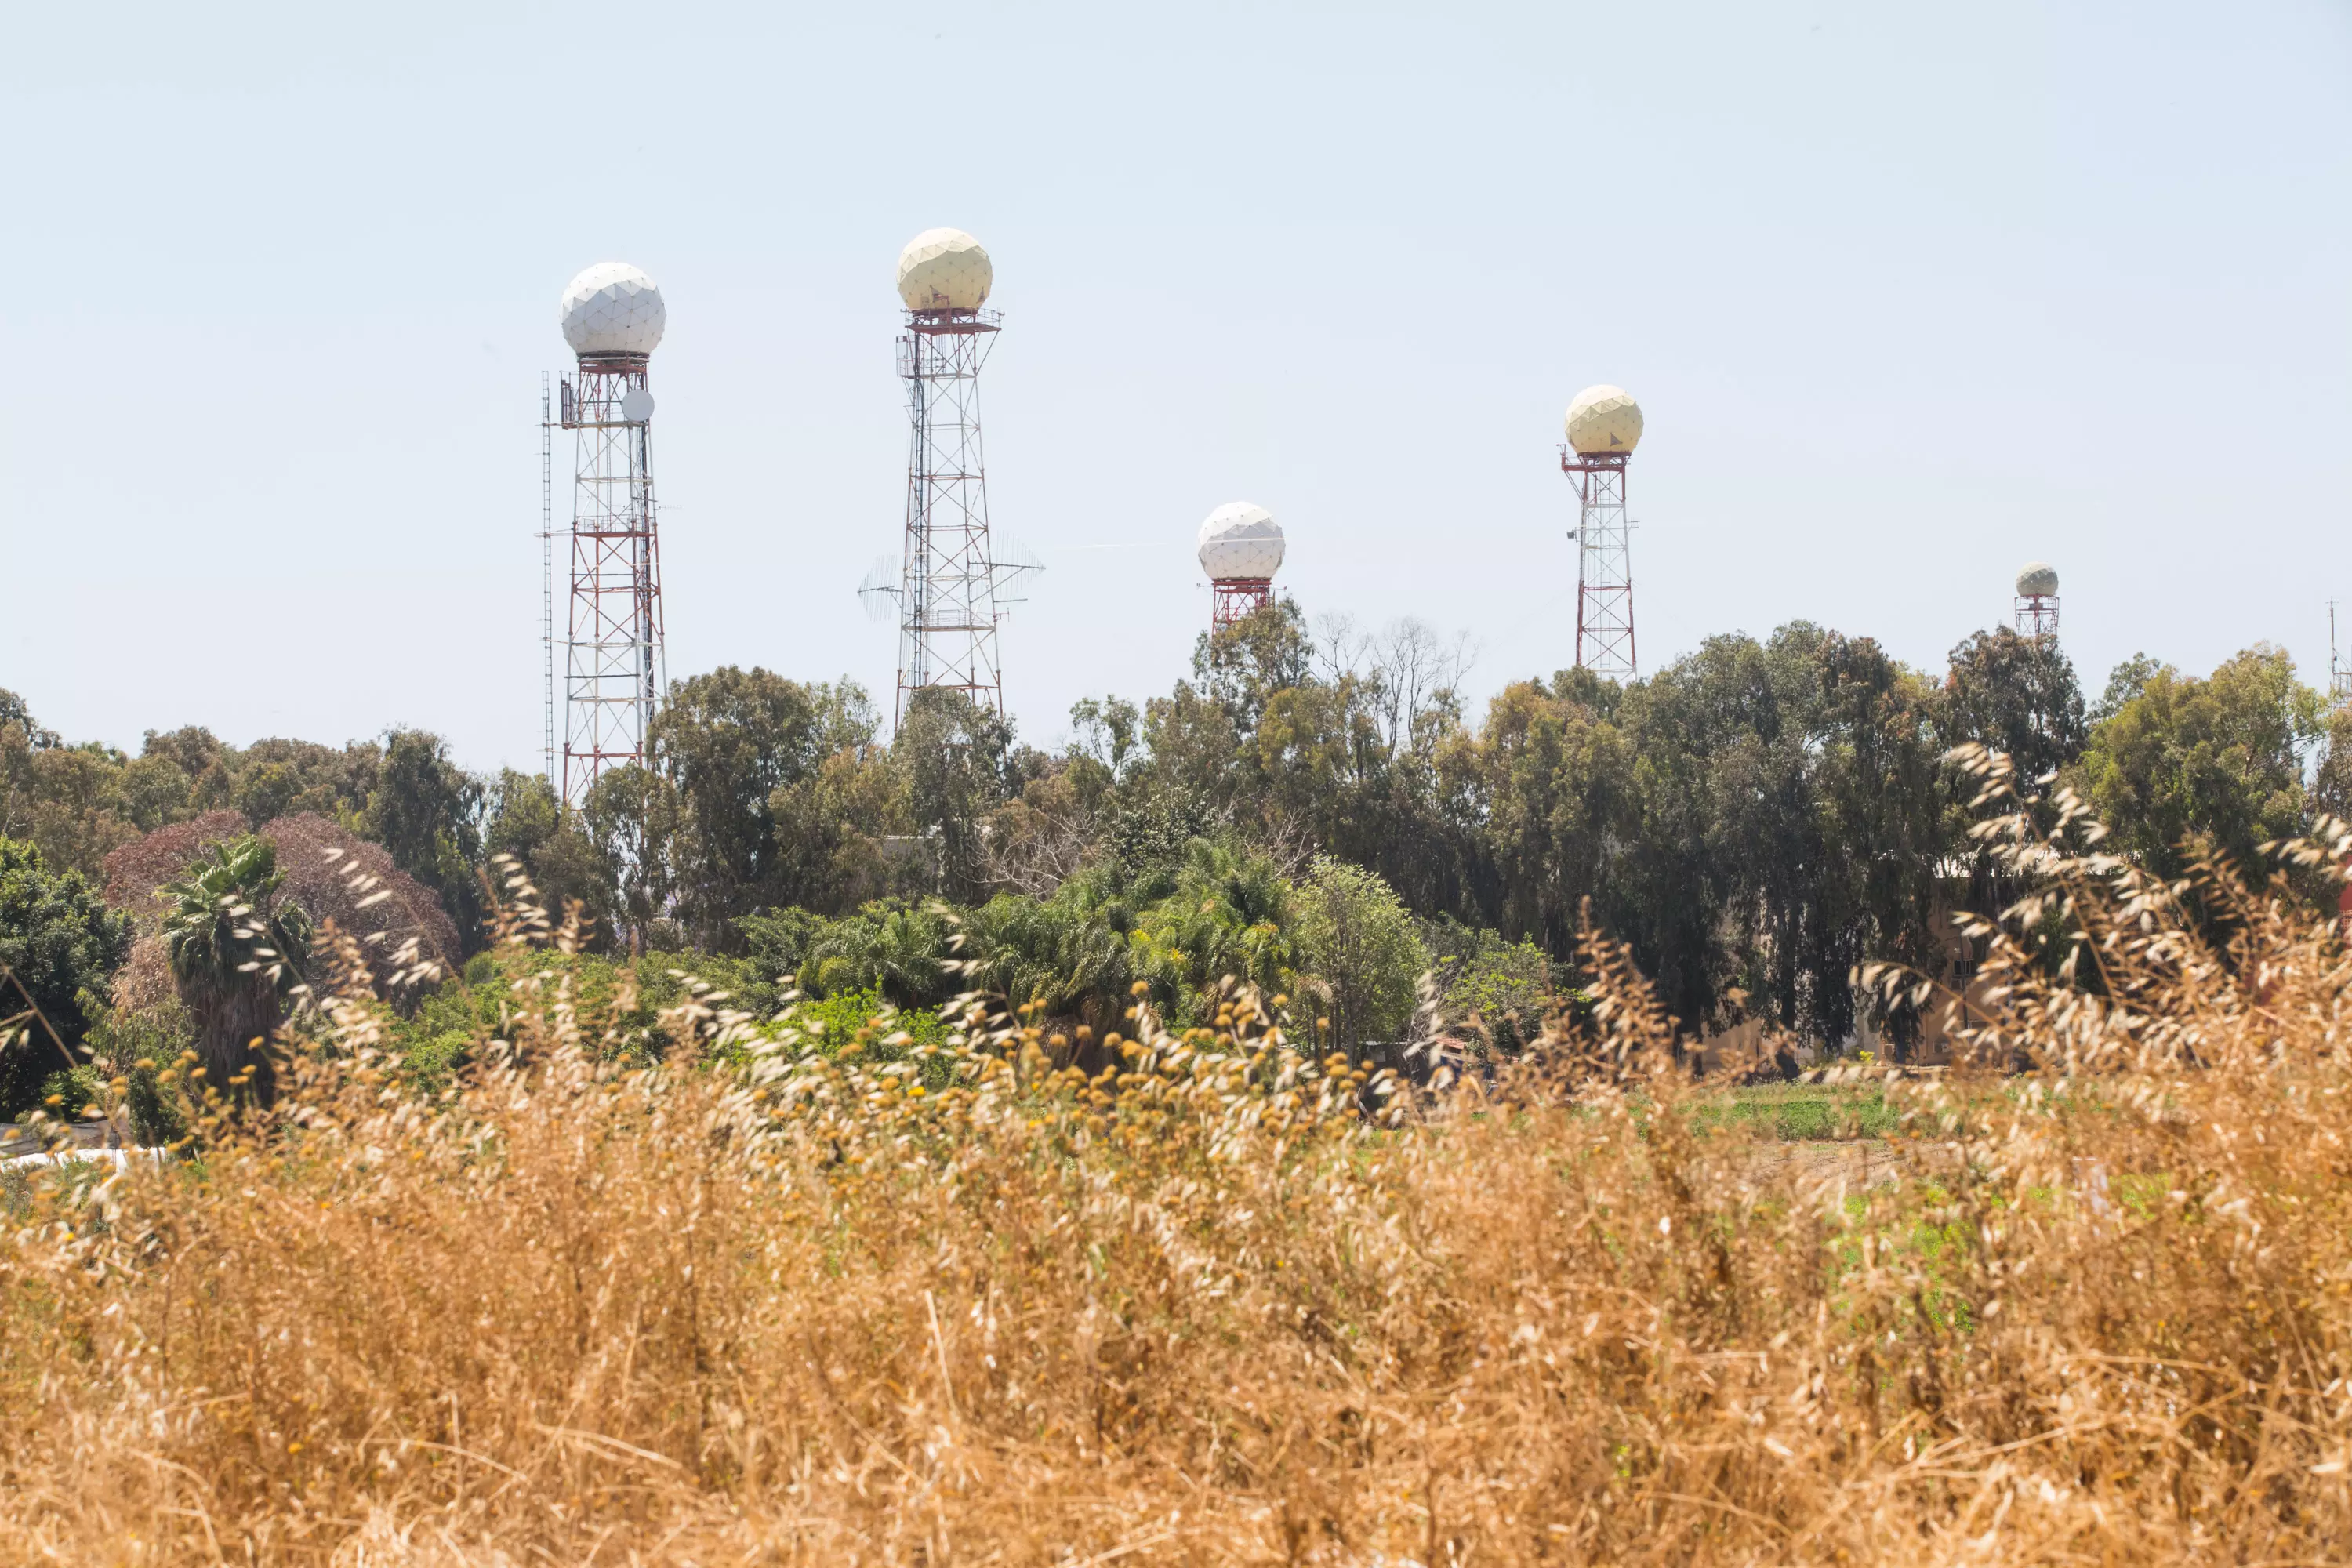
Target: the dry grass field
(791, 1300)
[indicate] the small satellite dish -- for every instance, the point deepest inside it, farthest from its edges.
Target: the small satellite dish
(637, 406)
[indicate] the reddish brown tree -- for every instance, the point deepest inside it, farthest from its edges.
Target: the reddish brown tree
(331, 872)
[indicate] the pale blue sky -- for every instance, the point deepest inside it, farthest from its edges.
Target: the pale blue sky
(1909, 294)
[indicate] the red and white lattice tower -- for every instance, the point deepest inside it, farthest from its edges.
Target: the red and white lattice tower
(1241, 549)
(949, 583)
(1604, 425)
(2037, 602)
(613, 663)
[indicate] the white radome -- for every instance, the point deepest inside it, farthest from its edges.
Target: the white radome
(1605, 420)
(612, 308)
(944, 270)
(1240, 540)
(2037, 580)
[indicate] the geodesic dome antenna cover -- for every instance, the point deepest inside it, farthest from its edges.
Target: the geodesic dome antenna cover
(1604, 421)
(612, 308)
(2037, 580)
(1240, 540)
(944, 270)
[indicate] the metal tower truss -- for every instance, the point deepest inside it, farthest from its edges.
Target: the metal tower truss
(2037, 616)
(613, 671)
(1238, 598)
(950, 584)
(1604, 569)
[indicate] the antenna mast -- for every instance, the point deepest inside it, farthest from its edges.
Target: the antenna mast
(2339, 677)
(547, 571)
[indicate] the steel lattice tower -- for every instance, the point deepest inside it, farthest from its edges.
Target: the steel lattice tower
(1236, 599)
(2037, 616)
(1604, 569)
(612, 649)
(949, 577)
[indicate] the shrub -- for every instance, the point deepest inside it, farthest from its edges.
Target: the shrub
(630, 999)
(60, 944)
(132, 1045)
(1359, 938)
(842, 1018)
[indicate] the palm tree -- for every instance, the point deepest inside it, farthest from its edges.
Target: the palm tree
(1070, 953)
(237, 948)
(1181, 931)
(894, 950)
(1229, 914)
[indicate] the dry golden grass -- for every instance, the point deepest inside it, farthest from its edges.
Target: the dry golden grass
(773, 1305)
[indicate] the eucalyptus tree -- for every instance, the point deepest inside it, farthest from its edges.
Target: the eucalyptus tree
(2185, 764)
(956, 764)
(426, 812)
(737, 750)
(2015, 695)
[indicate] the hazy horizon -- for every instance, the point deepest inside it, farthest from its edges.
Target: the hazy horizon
(1908, 299)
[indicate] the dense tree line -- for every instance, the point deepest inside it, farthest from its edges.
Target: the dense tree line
(1755, 818)
(79, 804)
(1308, 809)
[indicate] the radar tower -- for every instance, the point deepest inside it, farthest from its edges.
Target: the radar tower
(1604, 425)
(2037, 602)
(950, 579)
(1241, 549)
(612, 317)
